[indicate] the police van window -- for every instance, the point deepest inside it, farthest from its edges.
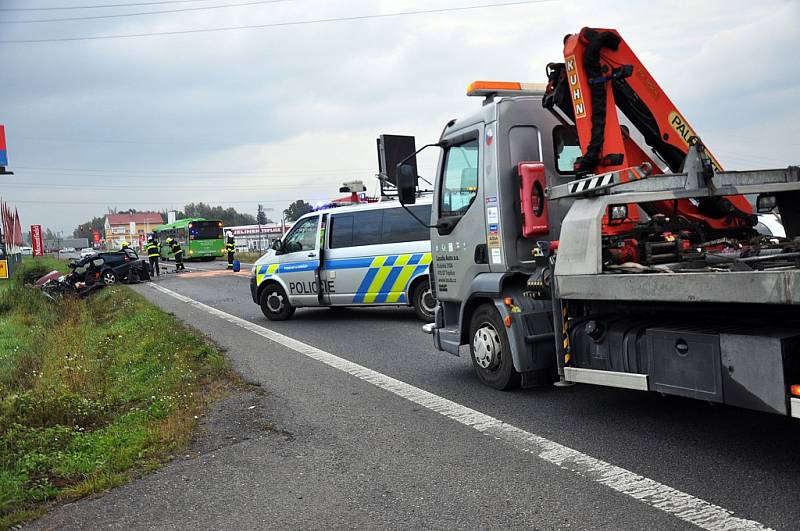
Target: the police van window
(341, 231)
(566, 147)
(399, 226)
(523, 144)
(367, 227)
(460, 179)
(303, 236)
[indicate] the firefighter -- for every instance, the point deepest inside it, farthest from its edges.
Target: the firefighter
(175, 248)
(123, 245)
(153, 254)
(230, 248)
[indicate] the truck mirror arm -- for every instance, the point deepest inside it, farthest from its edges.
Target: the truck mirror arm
(426, 146)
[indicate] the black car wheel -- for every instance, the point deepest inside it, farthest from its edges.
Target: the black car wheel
(275, 304)
(108, 277)
(423, 301)
(490, 350)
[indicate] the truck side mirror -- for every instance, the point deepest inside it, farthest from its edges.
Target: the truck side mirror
(406, 183)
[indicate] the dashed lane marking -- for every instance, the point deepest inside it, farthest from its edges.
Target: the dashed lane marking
(679, 504)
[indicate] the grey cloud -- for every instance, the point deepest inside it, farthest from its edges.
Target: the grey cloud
(314, 97)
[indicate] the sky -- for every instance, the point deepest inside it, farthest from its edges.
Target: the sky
(290, 110)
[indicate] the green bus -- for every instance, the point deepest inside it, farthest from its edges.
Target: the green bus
(201, 239)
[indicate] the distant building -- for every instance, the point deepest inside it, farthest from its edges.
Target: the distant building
(130, 227)
(52, 246)
(251, 238)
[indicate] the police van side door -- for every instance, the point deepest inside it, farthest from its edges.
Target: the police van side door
(299, 261)
(354, 251)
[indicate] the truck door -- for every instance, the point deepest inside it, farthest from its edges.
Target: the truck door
(459, 244)
(299, 263)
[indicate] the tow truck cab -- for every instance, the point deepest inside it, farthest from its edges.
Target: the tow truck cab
(479, 254)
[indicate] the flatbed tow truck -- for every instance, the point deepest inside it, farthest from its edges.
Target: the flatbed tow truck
(583, 233)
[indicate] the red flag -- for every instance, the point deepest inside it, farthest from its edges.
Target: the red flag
(17, 229)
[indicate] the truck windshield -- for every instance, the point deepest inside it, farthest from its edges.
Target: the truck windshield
(205, 230)
(460, 178)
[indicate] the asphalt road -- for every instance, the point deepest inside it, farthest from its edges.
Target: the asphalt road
(345, 453)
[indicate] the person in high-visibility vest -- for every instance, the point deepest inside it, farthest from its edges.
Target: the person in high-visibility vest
(123, 244)
(230, 248)
(176, 249)
(153, 249)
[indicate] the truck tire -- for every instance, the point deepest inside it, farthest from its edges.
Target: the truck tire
(423, 301)
(275, 304)
(490, 350)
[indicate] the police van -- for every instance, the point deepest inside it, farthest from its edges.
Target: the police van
(365, 255)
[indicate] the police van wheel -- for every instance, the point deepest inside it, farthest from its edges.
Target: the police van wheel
(490, 350)
(275, 304)
(423, 301)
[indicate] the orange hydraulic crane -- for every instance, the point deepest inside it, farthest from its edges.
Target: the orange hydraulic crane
(601, 74)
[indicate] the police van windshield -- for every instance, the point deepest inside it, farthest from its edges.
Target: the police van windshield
(303, 236)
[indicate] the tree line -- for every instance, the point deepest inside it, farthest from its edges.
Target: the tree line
(230, 217)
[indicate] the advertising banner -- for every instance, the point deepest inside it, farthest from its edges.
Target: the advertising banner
(36, 240)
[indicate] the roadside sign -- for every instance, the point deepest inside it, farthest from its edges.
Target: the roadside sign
(36, 240)
(3, 153)
(3, 268)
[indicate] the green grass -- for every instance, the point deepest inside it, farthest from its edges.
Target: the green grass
(47, 262)
(92, 393)
(33, 268)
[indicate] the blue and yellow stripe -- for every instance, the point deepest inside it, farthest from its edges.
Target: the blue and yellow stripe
(386, 280)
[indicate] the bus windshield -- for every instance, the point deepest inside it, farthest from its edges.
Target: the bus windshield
(205, 230)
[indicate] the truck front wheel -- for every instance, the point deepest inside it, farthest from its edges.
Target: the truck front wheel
(490, 350)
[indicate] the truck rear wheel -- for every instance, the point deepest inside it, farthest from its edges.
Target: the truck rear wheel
(490, 350)
(275, 304)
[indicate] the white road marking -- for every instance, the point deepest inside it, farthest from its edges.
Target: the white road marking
(688, 508)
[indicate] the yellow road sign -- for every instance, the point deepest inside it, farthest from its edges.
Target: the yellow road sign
(3, 268)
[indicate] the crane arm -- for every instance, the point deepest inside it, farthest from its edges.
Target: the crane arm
(601, 74)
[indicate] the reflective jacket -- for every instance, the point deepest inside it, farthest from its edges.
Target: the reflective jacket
(176, 248)
(153, 249)
(230, 247)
